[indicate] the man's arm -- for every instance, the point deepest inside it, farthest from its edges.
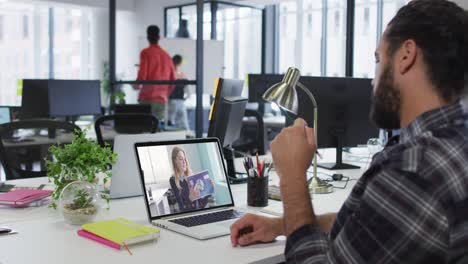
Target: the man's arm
(292, 151)
(142, 70)
(397, 220)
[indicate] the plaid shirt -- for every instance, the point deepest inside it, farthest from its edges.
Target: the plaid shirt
(410, 206)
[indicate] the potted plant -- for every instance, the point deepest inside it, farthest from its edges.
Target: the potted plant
(79, 202)
(82, 160)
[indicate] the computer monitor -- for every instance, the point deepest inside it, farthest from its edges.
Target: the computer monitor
(5, 114)
(259, 83)
(35, 99)
(223, 88)
(343, 110)
(229, 116)
(225, 117)
(71, 98)
(227, 129)
(343, 114)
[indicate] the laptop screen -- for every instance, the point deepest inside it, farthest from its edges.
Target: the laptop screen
(183, 176)
(5, 116)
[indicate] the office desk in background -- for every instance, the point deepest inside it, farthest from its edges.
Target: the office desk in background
(43, 237)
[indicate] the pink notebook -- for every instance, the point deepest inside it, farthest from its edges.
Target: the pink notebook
(99, 239)
(23, 197)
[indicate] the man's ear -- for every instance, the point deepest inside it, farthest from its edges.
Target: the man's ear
(406, 56)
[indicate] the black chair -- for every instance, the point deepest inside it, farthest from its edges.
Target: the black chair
(131, 123)
(19, 154)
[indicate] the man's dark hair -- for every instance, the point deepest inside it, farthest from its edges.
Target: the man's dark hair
(152, 33)
(440, 30)
(177, 59)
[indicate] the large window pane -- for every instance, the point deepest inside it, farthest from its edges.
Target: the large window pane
(366, 32)
(301, 37)
(312, 37)
(240, 28)
(189, 13)
(172, 22)
(336, 38)
(24, 49)
(75, 43)
(365, 38)
(287, 36)
(390, 8)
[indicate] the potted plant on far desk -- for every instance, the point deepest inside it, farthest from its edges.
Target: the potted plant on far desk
(74, 171)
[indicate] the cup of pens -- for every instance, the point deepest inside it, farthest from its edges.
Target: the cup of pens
(257, 181)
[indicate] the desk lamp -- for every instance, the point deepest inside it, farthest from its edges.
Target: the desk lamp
(284, 95)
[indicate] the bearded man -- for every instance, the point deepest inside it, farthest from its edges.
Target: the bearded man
(411, 205)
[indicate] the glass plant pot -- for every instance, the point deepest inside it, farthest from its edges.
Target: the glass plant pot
(79, 202)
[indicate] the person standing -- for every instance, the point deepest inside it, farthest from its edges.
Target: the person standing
(155, 64)
(177, 110)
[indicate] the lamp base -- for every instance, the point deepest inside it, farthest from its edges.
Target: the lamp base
(319, 186)
(337, 166)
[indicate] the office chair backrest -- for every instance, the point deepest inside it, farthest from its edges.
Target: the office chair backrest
(131, 123)
(24, 146)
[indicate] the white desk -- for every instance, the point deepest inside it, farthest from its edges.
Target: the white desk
(43, 237)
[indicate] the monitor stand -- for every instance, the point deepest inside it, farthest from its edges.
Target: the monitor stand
(231, 169)
(338, 165)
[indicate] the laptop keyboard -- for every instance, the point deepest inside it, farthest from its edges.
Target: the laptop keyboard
(197, 220)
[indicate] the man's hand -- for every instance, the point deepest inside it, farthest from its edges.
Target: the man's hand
(254, 228)
(293, 150)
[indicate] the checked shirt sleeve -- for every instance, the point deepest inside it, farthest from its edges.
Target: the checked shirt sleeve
(397, 220)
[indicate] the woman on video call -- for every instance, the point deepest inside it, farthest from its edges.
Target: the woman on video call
(185, 195)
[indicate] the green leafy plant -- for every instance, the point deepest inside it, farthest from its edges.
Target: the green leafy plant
(81, 160)
(82, 200)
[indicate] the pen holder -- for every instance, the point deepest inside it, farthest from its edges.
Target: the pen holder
(257, 191)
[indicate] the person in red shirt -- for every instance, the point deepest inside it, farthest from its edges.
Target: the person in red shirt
(155, 64)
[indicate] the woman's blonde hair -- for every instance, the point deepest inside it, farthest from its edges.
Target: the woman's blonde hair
(177, 173)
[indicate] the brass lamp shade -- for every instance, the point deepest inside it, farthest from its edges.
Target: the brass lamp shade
(284, 93)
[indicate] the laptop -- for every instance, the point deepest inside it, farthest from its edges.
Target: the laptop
(5, 115)
(125, 181)
(201, 205)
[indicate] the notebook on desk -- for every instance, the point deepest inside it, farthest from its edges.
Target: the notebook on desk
(197, 202)
(23, 197)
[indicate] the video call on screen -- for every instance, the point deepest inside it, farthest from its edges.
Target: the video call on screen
(183, 178)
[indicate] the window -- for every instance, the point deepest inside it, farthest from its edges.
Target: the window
(189, 13)
(366, 21)
(238, 27)
(26, 53)
(308, 51)
(365, 38)
(73, 46)
(336, 41)
(172, 22)
(288, 42)
(2, 22)
(367, 34)
(312, 43)
(25, 26)
(18, 62)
